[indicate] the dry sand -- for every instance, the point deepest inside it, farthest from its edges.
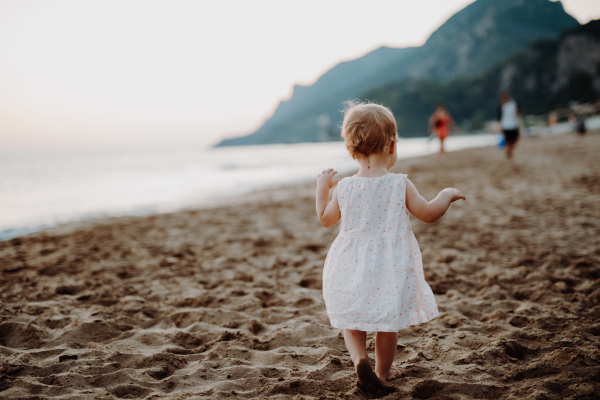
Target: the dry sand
(226, 302)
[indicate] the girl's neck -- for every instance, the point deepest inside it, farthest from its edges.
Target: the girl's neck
(373, 166)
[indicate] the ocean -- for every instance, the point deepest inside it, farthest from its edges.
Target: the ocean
(39, 191)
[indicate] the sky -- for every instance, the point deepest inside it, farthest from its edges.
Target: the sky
(119, 74)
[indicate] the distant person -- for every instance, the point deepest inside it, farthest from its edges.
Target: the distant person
(552, 121)
(572, 120)
(508, 118)
(439, 123)
(580, 125)
(373, 278)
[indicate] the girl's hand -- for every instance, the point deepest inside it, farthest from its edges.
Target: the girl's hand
(455, 194)
(328, 212)
(326, 179)
(430, 211)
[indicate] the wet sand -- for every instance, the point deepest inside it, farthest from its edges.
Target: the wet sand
(226, 302)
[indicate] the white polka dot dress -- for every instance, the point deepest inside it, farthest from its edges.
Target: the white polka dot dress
(373, 276)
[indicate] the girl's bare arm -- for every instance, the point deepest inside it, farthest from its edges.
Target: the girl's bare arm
(327, 211)
(433, 210)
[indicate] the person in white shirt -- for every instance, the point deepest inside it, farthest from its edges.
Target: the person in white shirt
(508, 118)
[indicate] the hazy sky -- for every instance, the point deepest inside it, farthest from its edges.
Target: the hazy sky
(80, 74)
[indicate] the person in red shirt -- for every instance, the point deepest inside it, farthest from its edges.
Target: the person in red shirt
(440, 123)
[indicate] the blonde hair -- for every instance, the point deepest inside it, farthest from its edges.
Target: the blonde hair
(368, 128)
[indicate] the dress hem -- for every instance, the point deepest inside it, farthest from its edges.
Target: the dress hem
(364, 327)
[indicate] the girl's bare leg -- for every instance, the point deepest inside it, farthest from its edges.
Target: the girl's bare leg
(356, 342)
(385, 350)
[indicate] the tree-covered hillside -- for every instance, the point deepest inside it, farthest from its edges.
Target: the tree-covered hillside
(546, 76)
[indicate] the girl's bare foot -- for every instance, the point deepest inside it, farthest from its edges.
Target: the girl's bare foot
(367, 379)
(393, 374)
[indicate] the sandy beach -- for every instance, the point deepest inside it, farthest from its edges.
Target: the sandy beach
(226, 302)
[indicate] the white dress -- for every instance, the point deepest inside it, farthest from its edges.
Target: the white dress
(373, 276)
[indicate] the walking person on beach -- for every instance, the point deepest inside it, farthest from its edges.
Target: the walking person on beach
(373, 275)
(508, 119)
(439, 124)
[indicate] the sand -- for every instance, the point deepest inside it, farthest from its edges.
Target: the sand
(226, 302)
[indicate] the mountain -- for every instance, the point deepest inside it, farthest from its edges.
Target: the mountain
(548, 75)
(554, 73)
(470, 42)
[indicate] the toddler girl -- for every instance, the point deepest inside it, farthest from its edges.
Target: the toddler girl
(373, 276)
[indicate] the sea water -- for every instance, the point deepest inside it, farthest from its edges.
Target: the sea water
(38, 191)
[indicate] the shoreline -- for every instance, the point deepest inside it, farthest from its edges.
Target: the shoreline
(226, 302)
(477, 141)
